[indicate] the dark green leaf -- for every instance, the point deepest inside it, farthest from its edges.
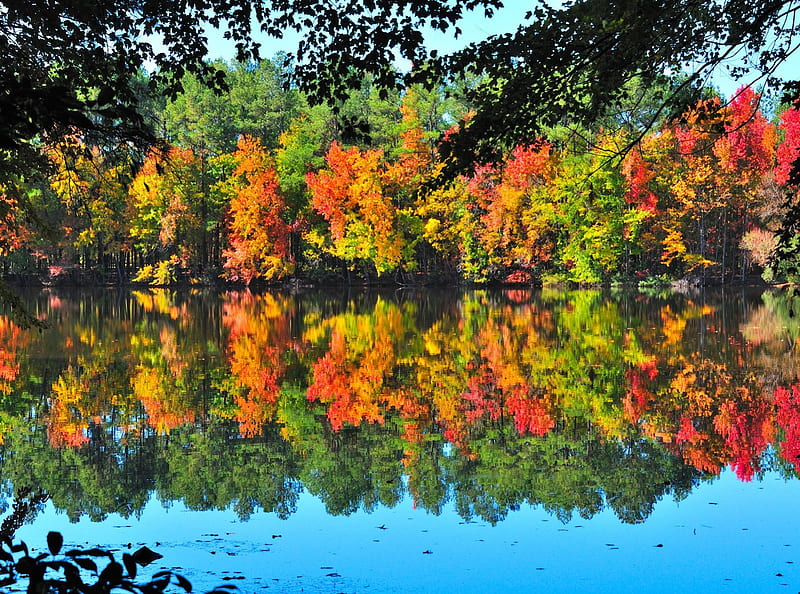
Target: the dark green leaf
(88, 553)
(26, 565)
(183, 582)
(112, 574)
(86, 564)
(54, 542)
(145, 556)
(130, 565)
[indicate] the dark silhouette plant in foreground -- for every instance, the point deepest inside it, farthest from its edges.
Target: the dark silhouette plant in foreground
(90, 571)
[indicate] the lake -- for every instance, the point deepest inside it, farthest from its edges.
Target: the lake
(409, 441)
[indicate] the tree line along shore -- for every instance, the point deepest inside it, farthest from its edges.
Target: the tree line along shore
(255, 185)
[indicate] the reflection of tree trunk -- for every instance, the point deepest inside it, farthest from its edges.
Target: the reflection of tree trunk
(26, 505)
(118, 266)
(702, 223)
(724, 242)
(742, 252)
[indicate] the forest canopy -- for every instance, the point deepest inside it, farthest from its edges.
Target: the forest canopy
(142, 160)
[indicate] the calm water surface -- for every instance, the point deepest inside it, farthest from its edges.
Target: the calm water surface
(414, 442)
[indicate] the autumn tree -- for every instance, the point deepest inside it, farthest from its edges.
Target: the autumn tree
(92, 185)
(701, 180)
(517, 217)
(258, 235)
(787, 175)
(362, 222)
(745, 152)
(14, 234)
(167, 225)
(600, 229)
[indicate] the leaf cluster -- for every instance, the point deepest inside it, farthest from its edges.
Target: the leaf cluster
(66, 572)
(574, 63)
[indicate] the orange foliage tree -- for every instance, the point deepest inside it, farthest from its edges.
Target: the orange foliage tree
(258, 237)
(259, 344)
(516, 213)
(363, 224)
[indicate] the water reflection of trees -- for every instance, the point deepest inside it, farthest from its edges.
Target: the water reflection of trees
(573, 401)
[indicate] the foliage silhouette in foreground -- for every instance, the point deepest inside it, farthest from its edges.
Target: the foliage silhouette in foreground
(78, 571)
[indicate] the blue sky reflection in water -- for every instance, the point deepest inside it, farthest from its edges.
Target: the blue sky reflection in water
(727, 536)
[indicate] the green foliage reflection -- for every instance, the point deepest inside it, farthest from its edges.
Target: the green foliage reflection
(572, 401)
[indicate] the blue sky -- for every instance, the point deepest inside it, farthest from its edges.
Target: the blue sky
(476, 27)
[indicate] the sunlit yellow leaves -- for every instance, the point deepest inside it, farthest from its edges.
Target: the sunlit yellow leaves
(67, 424)
(167, 198)
(92, 188)
(449, 224)
(593, 213)
(162, 401)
